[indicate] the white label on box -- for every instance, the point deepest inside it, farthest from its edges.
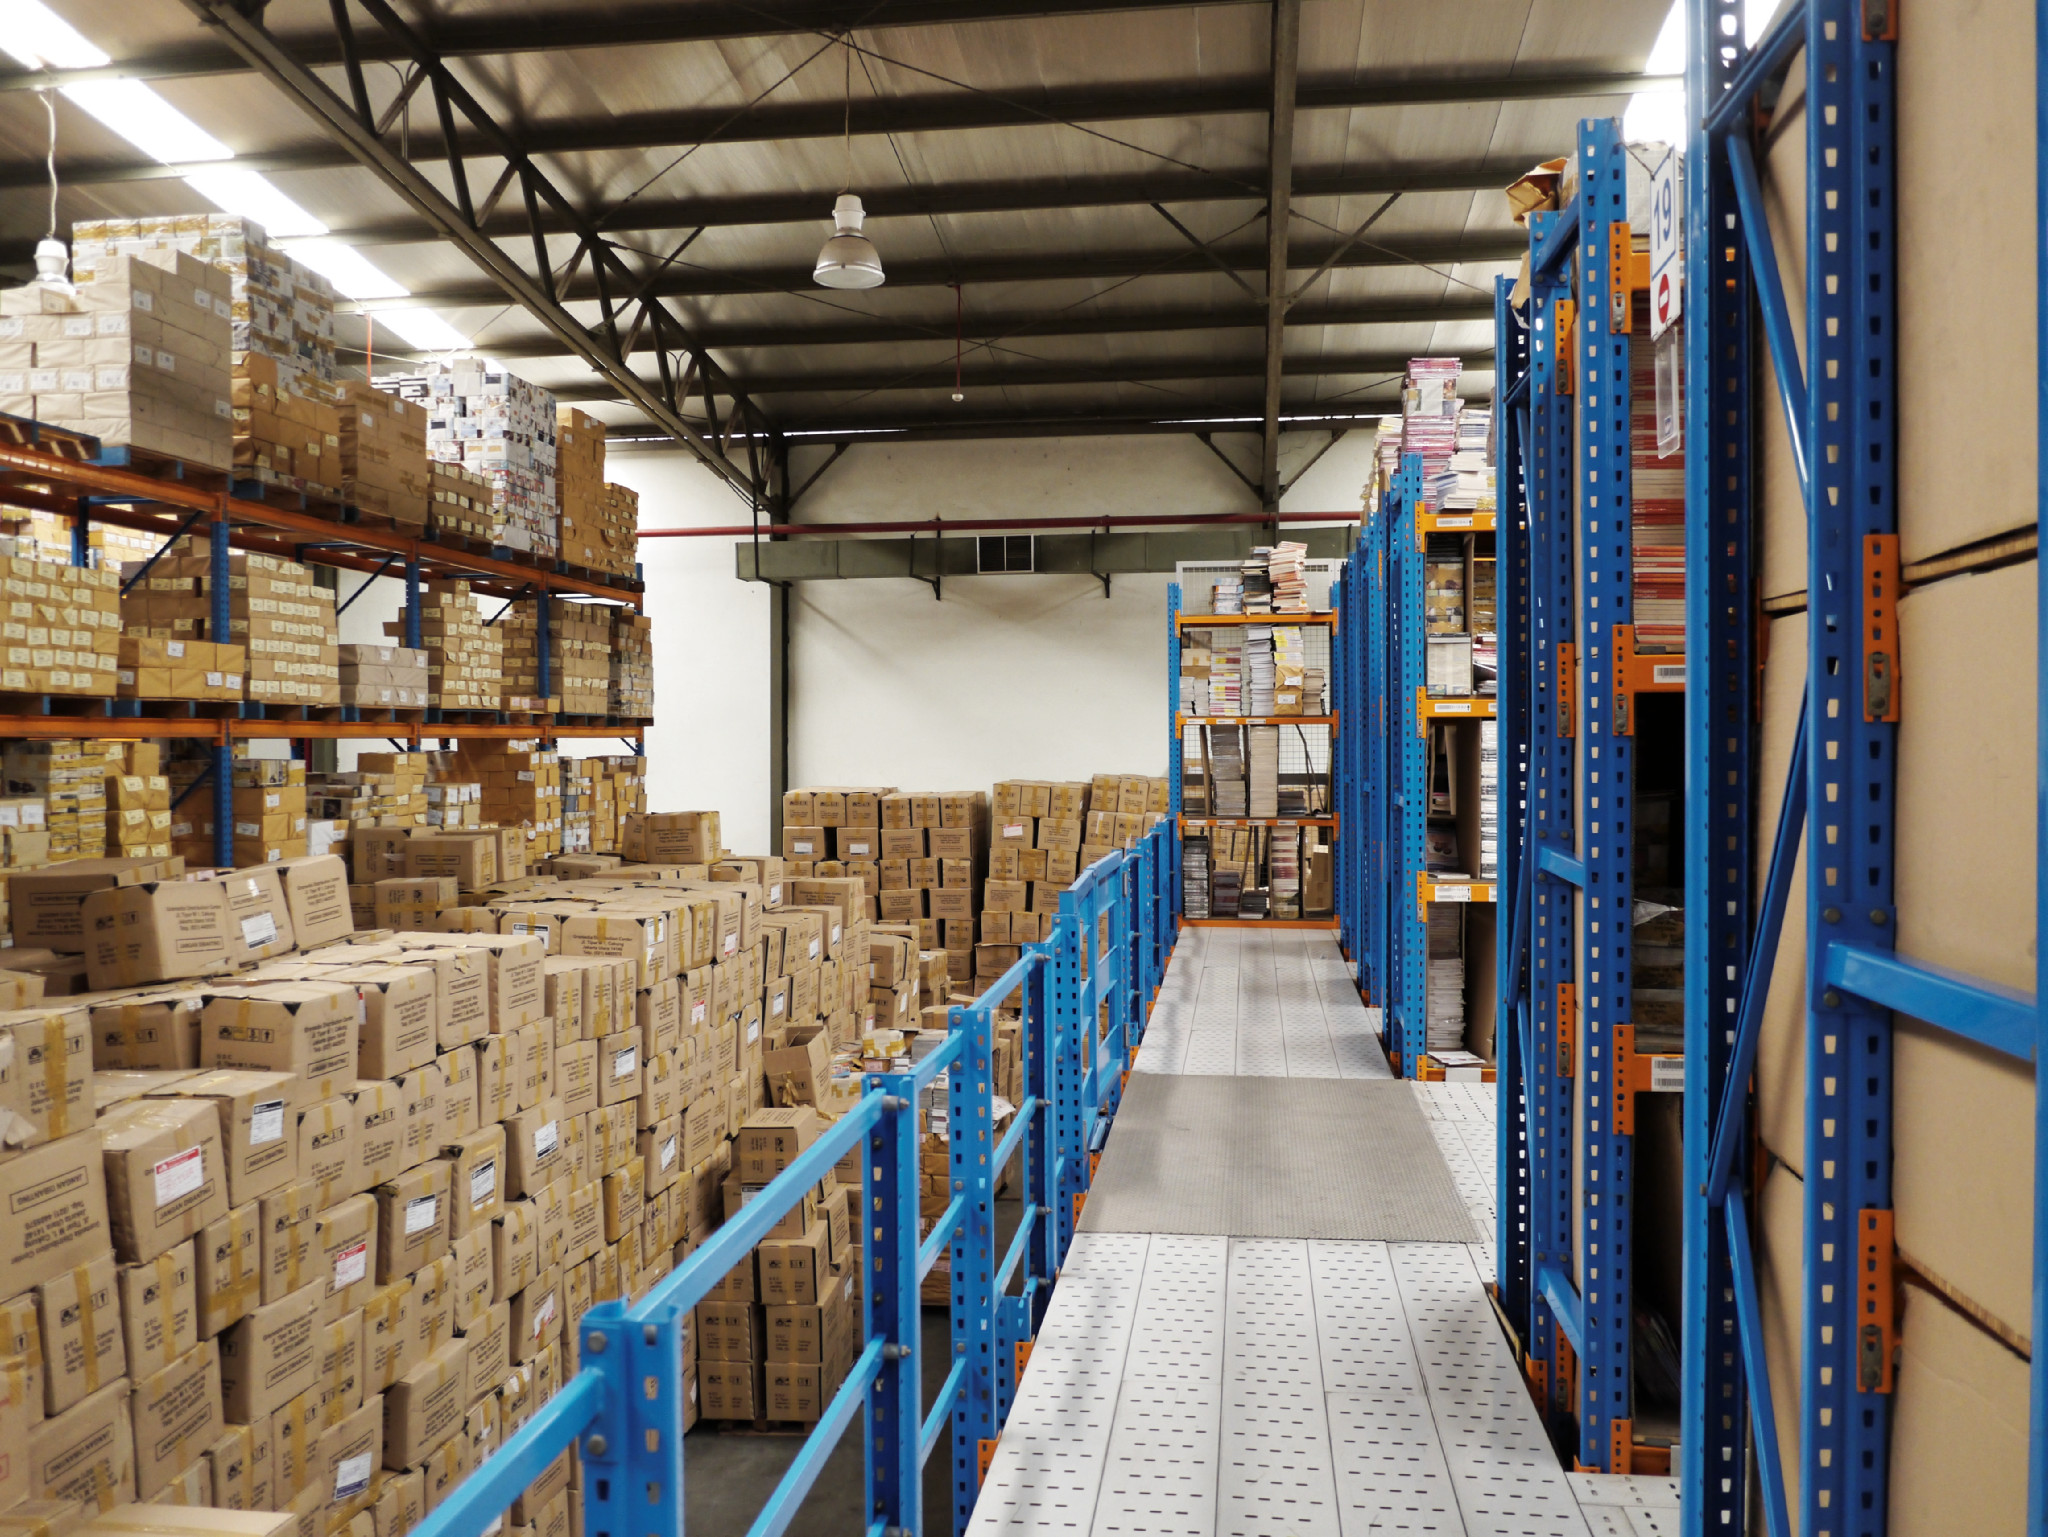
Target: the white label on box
(351, 1265)
(543, 1315)
(1013, 829)
(78, 325)
(266, 1122)
(1668, 672)
(223, 308)
(803, 846)
(814, 950)
(1667, 1075)
(732, 943)
(625, 1063)
(775, 895)
(174, 648)
(214, 680)
(1451, 894)
(202, 299)
(259, 931)
(753, 1031)
(145, 300)
(483, 1184)
(668, 1153)
(545, 1139)
(420, 1213)
(351, 1476)
(776, 1006)
(180, 1174)
(857, 850)
(167, 361)
(697, 1011)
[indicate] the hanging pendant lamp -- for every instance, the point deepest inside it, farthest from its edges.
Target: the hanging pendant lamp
(849, 259)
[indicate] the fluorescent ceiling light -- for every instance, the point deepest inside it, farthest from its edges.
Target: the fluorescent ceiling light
(347, 269)
(1660, 115)
(251, 196)
(147, 121)
(421, 329)
(38, 38)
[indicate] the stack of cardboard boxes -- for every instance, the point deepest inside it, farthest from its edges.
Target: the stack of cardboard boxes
(496, 424)
(384, 454)
(277, 615)
(463, 652)
(600, 521)
(277, 309)
(63, 634)
(282, 437)
(384, 677)
(578, 650)
(153, 668)
(632, 666)
(58, 789)
(522, 787)
(268, 805)
(460, 501)
(139, 804)
(139, 356)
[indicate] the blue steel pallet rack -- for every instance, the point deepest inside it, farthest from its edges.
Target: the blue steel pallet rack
(72, 475)
(1841, 424)
(1085, 994)
(1390, 888)
(1570, 1066)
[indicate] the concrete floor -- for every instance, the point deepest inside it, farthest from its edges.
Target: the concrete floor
(728, 1478)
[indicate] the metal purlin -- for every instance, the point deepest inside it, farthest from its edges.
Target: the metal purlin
(1407, 1018)
(1549, 823)
(1511, 910)
(1720, 707)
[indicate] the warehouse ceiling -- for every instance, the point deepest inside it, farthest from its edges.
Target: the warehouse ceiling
(1072, 201)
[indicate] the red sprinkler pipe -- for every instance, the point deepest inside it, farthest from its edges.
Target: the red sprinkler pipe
(989, 525)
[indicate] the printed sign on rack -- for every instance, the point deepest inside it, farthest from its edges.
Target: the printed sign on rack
(1667, 223)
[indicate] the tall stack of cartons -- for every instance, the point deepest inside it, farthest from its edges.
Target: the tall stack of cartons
(281, 437)
(69, 777)
(600, 521)
(632, 665)
(268, 801)
(460, 501)
(463, 652)
(284, 621)
(383, 453)
(138, 800)
(384, 677)
(496, 424)
(65, 631)
(1035, 836)
(579, 654)
(277, 308)
(139, 357)
(522, 788)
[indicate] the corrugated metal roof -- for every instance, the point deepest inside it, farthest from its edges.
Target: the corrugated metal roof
(1158, 305)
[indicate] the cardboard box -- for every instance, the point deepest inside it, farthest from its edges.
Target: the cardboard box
(176, 1414)
(771, 1140)
(286, 1231)
(379, 1129)
(272, 1356)
(489, 1338)
(82, 1344)
(537, 1315)
(399, 1022)
(316, 892)
(46, 1068)
(259, 915)
(430, 1308)
(729, 1390)
(424, 1407)
(345, 1235)
(166, 1174)
(86, 1454)
(796, 1270)
(800, 1069)
(155, 931)
(231, 1471)
(535, 1153)
(43, 905)
(351, 1453)
(258, 1116)
(327, 1155)
(341, 1368)
(412, 1220)
(156, 1029)
(294, 1442)
(228, 1261)
(475, 1182)
(307, 1028)
(159, 1310)
(189, 1521)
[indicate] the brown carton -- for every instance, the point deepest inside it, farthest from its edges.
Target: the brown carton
(796, 1270)
(537, 1316)
(424, 1407)
(82, 1344)
(46, 1067)
(476, 1179)
(258, 1114)
(399, 1023)
(156, 931)
(272, 1356)
(176, 1414)
(345, 1234)
(155, 1029)
(341, 1368)
(231, 1471)
(307, 1028)
(259, 921)
(535, 1153)
(316, 892)
(327, 1155)
(43, 905)
(771, 1140)
(228, 1260)
(86, 1454)
(351, 1452)
(412, 1220)
(159, 1310)
(166, 1174)
(285, 1238)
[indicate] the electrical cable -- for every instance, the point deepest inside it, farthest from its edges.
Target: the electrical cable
(50, 107)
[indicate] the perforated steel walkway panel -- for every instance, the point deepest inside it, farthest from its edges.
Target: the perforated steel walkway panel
(1195, 1385)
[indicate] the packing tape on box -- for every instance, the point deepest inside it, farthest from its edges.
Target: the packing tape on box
(243, 1290)
(56, 1072)
(82, 1279)
(167, 1285)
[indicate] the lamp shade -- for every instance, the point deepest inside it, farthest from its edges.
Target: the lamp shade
(849, 259)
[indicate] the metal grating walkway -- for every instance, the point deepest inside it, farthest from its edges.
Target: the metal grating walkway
(1204, 1386)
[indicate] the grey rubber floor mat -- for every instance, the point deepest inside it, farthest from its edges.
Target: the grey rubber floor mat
(1275, 1158)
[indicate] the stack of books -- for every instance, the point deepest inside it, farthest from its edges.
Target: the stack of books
(1466, 482)
(1287, 571)
(1489, 807)
(1258, 669)
(1429, 420)
(1286, 871)
(1227, 890)
(1257, 583)
(1657, 496)
(1228, 596)
(1226, 752)
(1445, 1012)
(1194, 875)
